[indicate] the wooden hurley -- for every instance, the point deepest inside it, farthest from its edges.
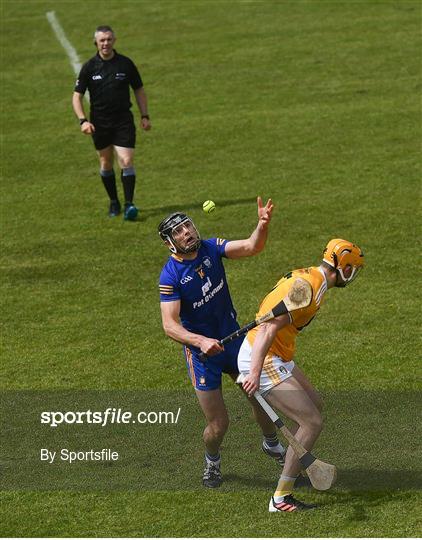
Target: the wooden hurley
(298, 297)
(322, 475)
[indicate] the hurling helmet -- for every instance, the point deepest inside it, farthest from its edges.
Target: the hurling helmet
(339, 254)
(167, 227)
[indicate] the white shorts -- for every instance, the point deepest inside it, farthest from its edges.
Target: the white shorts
(274, 371)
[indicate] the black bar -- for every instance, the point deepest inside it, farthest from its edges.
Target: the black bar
(307, 459)
(279, 423)
(279, 309)
(241, 332)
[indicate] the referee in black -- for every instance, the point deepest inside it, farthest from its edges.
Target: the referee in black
(107, 76)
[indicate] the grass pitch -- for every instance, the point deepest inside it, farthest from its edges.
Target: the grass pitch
(315, 104)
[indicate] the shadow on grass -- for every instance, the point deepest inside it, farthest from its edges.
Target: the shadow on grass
(358, 504)
(246, 481)
(353, 480)
(163, 211)
(369, 480)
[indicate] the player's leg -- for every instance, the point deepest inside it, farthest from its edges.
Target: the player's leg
(215, 412)
(271, 446)
(108, 177)
(308, 387)
(310, 390)
(294, 402)
(317, 399)
(206, 379)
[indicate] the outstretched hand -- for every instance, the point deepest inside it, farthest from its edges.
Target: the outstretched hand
(264, 212)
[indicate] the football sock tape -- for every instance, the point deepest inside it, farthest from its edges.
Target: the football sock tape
(284, 487)
(215, 458)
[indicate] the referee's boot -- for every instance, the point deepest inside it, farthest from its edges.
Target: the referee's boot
(212, 477)
(277, 452)
(114, 209)
(130, 212)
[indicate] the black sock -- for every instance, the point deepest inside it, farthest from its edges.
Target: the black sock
(128, 180)
(109, 181)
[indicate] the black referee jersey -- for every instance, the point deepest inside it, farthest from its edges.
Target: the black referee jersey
(108, 84)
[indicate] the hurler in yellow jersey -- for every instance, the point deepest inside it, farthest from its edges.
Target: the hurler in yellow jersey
(266, 358)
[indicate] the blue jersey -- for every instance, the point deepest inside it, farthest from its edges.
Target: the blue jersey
(201, 286)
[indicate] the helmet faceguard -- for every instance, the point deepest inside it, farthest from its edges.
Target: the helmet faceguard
(173, 224)
(346, 258)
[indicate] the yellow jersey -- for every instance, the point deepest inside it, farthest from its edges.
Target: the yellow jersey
(284, 343)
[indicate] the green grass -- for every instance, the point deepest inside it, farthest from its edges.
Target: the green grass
(315, 104)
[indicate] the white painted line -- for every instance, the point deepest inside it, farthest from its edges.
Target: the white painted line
(65, 43)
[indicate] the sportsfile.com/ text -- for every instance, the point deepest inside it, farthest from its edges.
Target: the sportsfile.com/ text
(109, 416)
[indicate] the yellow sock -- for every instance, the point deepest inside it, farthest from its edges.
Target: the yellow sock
(284, 486)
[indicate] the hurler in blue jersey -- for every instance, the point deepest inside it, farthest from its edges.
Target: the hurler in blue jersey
(197, 311)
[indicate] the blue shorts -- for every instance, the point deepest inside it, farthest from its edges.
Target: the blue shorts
(207, 375)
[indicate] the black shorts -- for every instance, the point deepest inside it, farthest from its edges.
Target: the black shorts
(118, 131)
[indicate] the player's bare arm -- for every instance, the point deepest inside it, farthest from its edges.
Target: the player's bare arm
(171, 324)
(265, 336)
(256, 242)
(77, 103)
(142, 102)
